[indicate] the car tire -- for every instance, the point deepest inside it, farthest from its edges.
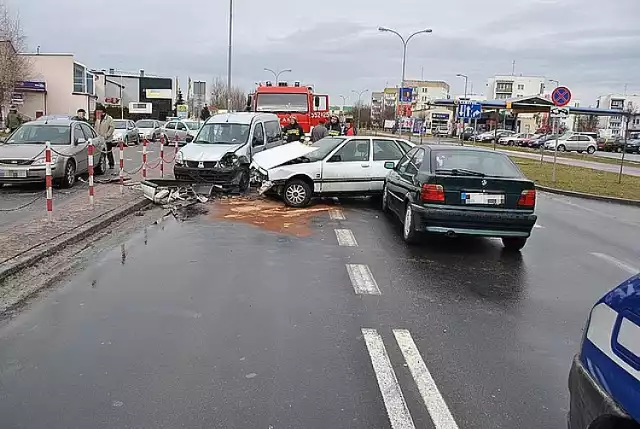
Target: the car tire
(100, 169)
(510, 143)
(591, 150)
(243, 183)
(384, 204)
(69, 178)
(562, 148)
(297, 193)
(619, 150)
(513, 244)
(409, 233)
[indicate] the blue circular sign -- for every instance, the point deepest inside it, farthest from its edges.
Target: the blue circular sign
(561, 96)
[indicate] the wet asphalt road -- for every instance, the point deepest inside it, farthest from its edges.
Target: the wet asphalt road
(217, 324)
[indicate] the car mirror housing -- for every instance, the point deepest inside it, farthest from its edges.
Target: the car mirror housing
(335, 158)
(389, 165)
(189, 139)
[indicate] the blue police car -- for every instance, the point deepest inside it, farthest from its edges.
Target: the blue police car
(604, 381)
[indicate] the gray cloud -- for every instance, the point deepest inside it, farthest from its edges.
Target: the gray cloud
(589, 45)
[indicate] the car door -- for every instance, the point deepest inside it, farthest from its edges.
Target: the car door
(181, 131)
(90, 134)
(258, 138)
(573, 143)
(273, 134)
(348, 168)
(396, 190)
(170, 131)
(383, 150)
(80, 152)
(407, 182)
(134, 133)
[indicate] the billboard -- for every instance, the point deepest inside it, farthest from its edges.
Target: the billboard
(405, 110)
(182, 110)
(158, 94)
(406, 95)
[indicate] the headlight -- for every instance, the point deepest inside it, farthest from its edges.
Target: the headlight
(179, 158)
(41, 161)
(230, 160)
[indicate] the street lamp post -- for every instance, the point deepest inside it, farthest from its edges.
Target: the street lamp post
(278, 73)
(466, 79)
(404, 55)
(344, 101)
(229, 59)
(359, 97)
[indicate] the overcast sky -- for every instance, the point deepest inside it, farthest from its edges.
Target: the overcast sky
(591, 46)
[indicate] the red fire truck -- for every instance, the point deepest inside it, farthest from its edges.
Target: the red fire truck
(285, 100)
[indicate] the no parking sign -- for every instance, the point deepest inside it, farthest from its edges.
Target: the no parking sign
(561, 96)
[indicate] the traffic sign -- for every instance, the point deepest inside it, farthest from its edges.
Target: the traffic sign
(561, 96)
(559, 112)
(469, 111)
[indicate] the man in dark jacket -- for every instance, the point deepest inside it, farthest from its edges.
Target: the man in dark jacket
(13, 119)
(205, 114)
(319, 131)
(81, 115)
(293, 130)
(334, 128)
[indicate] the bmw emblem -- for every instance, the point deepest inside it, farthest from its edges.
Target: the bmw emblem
(484, 182)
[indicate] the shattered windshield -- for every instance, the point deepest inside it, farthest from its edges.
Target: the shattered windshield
(225, 133)
(324, 147)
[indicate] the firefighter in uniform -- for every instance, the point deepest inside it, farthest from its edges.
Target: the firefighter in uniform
(293, 131)
(334, 127)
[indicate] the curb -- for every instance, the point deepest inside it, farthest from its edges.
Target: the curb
(616, 200)
(82, 231)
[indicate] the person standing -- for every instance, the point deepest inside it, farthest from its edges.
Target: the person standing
(319, 131)
(293, 130)
(334, 128)
(81, 115)
(350, 129)
(13, 119)
(205, 113)
(105, 128)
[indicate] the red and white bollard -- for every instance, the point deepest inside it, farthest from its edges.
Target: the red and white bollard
(175, 145)
(162, 158)
(144, 159)
(48, 181)
(121, 168)
(90, 149)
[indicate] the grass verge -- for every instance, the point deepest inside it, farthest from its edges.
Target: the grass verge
(580, 179)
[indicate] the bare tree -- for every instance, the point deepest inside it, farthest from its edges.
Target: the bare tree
(587, 123)
(13, 66)
(219, 95)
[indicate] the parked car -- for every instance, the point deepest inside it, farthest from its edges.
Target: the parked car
(633, 143)
(333, 166)
(126, 132)
(615, 144)
(149, 129)
(520, 139)
(540, 140)
(573, 142)
(468, 134)
(442, 130)
(490, 136)
(455, 190)
(22, 157)
(180, 129)
(224, 148)
(604, 382)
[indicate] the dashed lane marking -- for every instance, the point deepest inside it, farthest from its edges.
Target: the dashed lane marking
(362, 279)
(346, 238)
(618, 263)
(336, 214)
(437, 407)
(538, 226)
(392, 396)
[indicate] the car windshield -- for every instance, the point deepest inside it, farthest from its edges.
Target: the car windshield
(282, 103)
(324, 147)
(224, 133)
(474, 162)
(39, 134)
(634, 136)
(191, 125)
(121, 125)
(145, 124)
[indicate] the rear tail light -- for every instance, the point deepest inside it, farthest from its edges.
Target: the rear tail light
(527, 198)
(431, 193)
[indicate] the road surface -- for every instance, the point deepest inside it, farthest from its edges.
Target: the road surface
(216, 323)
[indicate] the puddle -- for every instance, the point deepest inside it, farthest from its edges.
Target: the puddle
(271, 215)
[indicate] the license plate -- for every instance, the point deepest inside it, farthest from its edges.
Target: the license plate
(480, 198)
(13, 174)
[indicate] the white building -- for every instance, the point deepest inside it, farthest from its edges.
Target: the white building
(426, 90)
(501, 87)
(611, 126)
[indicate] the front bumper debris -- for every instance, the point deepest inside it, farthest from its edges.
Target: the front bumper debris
(227, 178)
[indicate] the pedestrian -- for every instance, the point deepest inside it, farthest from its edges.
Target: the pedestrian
(334, 128)
(105, 128)
(13, 119)
(293, 130)
(205, 114)
(350, 130)
(319, 131)
(81, 115)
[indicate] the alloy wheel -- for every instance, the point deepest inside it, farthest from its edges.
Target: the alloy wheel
(296, 193)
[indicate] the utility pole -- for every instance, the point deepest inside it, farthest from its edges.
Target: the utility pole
(229, 59)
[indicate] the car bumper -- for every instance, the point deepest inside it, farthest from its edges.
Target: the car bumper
(474, 222)
(28, 174)
(227, 178)
(588, 400)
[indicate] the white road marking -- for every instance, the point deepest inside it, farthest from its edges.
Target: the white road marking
(346, 238)
(362, 279)
(394, 402)
(618, 263)
(440, 414)
(336, 214)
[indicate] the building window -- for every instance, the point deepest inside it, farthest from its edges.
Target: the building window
(504, 87)
(617, 104)
(79, 78)
(520, 86)
(89, 88)
(502, 96)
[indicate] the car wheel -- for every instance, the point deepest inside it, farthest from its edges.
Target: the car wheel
(562, 148)
(409, 232)
(513, 244)
(243, 184)
(580, 151)
(69, 178)
(100, 168)
(619, 150)
(510, 143)
(297, 193)
(385, 200)
(591, 150)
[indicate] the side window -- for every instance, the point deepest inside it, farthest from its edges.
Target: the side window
(78, 133)
(404, 161)
(416, 162)
(272, 131)
(356, 150)
(181, 127)
(132, 124)
(405, 146)
(88, 131)
(170, 126)
(386, 150)
(258, 135)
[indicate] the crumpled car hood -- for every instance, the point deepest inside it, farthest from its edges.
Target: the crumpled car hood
(207, 152)
(271, 158)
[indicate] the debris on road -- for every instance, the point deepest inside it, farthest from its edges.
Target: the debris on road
(178, 197)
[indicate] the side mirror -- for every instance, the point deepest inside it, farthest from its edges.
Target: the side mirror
(316, 101)
(389, 165)
(3, 139)
(189, 139)
(335, 158)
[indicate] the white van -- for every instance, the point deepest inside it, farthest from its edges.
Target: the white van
(224, 147)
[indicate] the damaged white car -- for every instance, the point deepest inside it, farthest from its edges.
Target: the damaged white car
(333, 166)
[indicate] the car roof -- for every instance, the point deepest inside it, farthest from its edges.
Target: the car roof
(57, 120)
(241, 117)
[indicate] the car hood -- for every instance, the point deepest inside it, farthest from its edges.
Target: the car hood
(279, 155)
(207, 152)
(28, 151)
